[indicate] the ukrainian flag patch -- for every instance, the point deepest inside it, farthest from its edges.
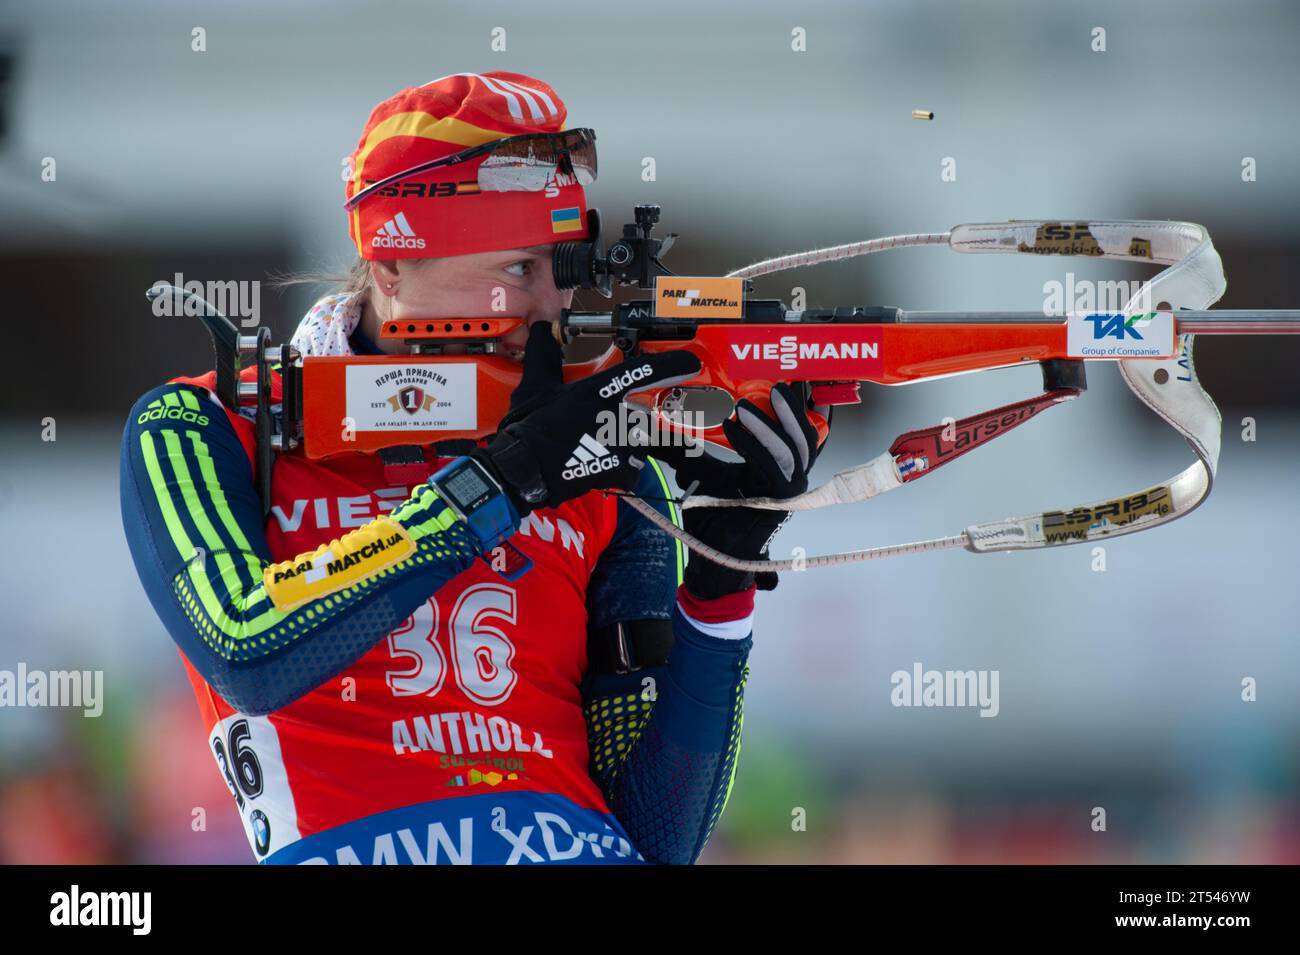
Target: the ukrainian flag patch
(566, 220)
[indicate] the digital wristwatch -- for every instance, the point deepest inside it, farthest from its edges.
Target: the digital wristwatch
(476, 498)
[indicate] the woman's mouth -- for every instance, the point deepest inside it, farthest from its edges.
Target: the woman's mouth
(512, 344)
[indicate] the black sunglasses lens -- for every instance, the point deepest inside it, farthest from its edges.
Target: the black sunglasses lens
(529, 163)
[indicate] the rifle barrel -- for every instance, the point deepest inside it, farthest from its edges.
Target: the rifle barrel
(1224, 321)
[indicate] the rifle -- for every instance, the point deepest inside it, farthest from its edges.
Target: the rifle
(340, 404)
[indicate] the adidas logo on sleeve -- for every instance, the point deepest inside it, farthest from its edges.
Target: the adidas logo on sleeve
(397, 233)
(588, 458)
(176, 405)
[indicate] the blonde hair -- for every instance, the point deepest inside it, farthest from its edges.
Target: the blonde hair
(355, 279)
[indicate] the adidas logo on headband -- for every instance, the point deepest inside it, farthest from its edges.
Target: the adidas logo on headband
(397, 233)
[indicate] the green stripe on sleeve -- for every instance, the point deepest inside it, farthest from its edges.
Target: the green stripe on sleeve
(673, 514)
(206, 593)
(180, 539)
(219, 504)
(199, 516)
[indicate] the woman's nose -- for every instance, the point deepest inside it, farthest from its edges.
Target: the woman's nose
(548, 301)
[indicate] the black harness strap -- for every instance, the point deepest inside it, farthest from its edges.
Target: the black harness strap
(628, 645)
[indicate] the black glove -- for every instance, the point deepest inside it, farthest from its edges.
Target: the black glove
(549, 453)
(778, 456)
(543, 374)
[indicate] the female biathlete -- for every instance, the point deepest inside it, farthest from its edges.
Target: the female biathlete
(375, 687)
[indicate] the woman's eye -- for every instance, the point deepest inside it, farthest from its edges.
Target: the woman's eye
(523, 266)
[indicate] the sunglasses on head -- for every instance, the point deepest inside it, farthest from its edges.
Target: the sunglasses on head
(524, 163)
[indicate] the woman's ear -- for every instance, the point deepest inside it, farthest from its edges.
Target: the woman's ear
(384, 274)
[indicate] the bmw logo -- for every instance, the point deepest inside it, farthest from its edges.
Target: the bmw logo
(261, 831)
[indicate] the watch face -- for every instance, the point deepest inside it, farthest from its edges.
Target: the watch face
(466, 488)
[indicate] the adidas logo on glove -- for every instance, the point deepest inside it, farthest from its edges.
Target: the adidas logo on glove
(588, 458)
(623, 381)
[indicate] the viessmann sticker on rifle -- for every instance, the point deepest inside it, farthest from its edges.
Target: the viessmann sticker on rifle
(407, 397)
(685, 296)
(841, 351)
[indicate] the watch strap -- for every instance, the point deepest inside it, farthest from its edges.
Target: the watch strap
(517, 466)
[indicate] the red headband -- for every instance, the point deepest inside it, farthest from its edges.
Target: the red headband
(442, 212)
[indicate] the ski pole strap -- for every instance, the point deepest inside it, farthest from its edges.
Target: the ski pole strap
(1193, 279)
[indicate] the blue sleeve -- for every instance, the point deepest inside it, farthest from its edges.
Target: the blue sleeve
(664, 741)
(264, 633)
(637, 575)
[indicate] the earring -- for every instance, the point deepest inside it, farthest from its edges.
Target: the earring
(389, 286)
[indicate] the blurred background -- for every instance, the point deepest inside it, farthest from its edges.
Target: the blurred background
(1119, 689)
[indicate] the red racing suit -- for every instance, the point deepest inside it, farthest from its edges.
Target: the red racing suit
(433, 711)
